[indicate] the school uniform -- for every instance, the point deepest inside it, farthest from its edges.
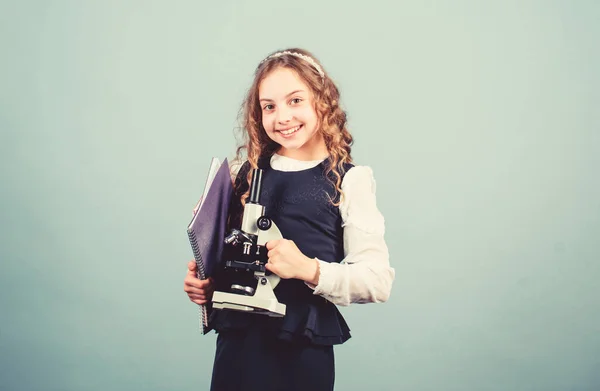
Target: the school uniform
(258, 352)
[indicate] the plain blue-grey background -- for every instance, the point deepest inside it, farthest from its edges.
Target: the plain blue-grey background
(481, 123)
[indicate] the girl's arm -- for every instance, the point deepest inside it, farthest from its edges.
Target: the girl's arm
(365, 275)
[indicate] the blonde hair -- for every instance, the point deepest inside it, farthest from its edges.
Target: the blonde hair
(331, 117)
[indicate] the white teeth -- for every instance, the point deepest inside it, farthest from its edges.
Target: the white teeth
(290, 131)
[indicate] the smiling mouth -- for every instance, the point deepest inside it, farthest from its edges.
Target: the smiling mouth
(290, 131)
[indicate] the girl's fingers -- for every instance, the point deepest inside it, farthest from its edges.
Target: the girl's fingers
(196, 283)
(196, 291)
(195, 210)
(270, 267)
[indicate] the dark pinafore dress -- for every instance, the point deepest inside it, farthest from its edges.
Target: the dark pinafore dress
(257, 352)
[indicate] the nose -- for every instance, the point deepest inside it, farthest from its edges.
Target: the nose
(284, 115)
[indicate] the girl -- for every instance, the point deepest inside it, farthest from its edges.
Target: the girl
(334, 252)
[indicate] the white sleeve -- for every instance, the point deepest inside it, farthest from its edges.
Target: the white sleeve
(364, 275)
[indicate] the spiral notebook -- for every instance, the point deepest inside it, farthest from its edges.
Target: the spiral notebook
(206, 231)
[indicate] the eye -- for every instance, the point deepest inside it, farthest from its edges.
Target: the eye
(296, 101)
(268, 107)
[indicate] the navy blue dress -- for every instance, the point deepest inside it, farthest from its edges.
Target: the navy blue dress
(257, 352)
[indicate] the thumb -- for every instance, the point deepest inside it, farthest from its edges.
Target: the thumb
(191, 266)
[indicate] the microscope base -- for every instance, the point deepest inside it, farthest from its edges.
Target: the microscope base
(232, 301)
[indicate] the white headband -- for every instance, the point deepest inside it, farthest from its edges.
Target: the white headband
(299, 55)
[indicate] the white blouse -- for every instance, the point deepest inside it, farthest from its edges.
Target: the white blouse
(364, 275)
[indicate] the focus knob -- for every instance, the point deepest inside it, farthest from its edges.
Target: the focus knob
(263, 223)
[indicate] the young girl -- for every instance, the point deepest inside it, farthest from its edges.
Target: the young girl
(334, 252)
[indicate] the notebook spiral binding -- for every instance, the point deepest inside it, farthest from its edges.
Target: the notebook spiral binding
(201, 274)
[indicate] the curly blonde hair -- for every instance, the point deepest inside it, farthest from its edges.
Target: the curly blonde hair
(331, 117)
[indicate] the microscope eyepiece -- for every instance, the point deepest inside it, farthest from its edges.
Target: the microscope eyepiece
(255, 186)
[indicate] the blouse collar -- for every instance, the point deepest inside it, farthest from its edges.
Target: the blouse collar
(284, 163)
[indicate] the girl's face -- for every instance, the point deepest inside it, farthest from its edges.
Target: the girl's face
(289, 117)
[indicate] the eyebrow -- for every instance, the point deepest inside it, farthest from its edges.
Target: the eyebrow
(291, 93)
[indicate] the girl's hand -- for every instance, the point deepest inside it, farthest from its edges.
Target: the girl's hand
(287, 261)
(199, 291)
(195, 210)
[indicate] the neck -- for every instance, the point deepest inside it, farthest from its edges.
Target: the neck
(312, 150)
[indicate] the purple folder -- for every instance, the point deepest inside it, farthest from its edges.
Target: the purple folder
(206, 231)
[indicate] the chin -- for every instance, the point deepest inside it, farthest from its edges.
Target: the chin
(291, 146)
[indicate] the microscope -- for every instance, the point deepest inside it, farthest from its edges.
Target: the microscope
(254, 285)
